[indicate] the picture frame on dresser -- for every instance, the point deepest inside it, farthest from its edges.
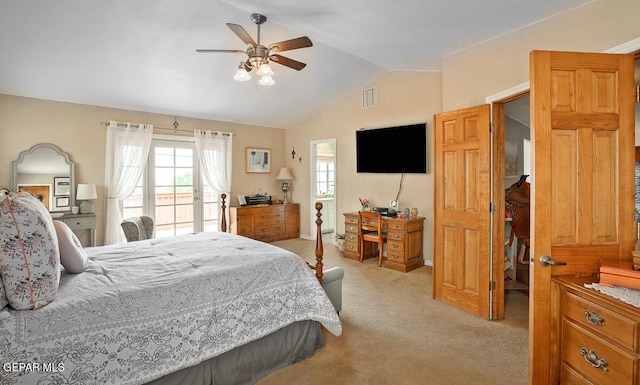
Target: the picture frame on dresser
(61, 186)
(257, 160)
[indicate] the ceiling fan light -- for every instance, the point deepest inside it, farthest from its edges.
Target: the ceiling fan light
(266, 81)
(242, 75)
(265, 70)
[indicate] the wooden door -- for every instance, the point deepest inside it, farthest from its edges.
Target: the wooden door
(461, 273)
(42, 190)
(582, 183)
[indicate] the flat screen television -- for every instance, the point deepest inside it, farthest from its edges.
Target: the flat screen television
(393, 150)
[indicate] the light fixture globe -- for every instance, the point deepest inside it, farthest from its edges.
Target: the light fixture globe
(265, 70)
(242, 75)
(266, 81)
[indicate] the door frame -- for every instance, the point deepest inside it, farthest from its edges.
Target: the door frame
(313, 180)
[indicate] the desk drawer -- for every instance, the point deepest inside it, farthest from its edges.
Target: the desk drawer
(369, 222)
(395, 247)
(351, 228)
(601, 320)
(616, 366)
(351, 220)
(396, 256)
(353, 247)
(351, 237)
(78, 223)
(395, 236)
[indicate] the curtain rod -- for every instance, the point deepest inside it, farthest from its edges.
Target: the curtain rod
(160, 128)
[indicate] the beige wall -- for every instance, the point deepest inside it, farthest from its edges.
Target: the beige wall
(77, 129)
(404, 98)
(471, 75)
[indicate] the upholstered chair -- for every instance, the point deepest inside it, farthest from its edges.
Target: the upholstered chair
(137, 228)
(332, 285)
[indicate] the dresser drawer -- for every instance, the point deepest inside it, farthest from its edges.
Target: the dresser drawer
(78, 223)
(601, 320)
(616, 367)
(267, 221)
(269, 232)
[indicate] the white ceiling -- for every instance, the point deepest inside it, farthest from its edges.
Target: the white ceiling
(140, 54)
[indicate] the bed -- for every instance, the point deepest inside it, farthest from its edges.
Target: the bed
(203, 308)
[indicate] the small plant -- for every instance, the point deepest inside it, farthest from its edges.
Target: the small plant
(339, 241)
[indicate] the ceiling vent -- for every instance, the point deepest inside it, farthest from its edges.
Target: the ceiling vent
(370, 97)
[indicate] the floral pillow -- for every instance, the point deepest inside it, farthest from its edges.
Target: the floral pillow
(29, 256)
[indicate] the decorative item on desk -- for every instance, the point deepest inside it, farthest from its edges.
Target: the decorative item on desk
(407, 212)
(86, 193)
(414, 212)
(364, 204)
(285, 177)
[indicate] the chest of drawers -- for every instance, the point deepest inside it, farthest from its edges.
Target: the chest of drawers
(599, 336)
(266, 223)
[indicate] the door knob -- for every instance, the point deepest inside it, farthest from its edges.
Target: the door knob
(546, 261)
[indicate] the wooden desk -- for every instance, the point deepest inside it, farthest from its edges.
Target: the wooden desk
(404, 241)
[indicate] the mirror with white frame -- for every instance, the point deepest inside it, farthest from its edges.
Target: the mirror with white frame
(47, 173)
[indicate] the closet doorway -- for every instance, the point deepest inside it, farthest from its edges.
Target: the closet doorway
(323, 183)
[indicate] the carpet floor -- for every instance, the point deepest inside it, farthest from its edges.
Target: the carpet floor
(395, 333)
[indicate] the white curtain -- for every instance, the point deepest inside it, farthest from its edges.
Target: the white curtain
(214, 150)
(126, 157)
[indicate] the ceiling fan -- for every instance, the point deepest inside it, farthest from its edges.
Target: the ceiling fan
(260, 55)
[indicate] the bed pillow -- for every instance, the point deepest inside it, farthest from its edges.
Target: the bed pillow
(29, 256)
(72, 255)
(3, 298)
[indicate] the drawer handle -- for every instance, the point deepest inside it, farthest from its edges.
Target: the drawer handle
(592, 358)
(396, 236)
(351, 237)
(352, 228)
(395, 256)
(593, 318)
(395, 246)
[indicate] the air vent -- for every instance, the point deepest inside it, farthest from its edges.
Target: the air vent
(370, 97)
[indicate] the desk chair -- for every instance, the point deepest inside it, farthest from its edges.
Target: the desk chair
(137, 228)
(371, 231)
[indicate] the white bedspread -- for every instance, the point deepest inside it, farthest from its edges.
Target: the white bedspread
(145, 309)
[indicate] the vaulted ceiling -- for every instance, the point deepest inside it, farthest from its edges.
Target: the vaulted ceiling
(140, 54)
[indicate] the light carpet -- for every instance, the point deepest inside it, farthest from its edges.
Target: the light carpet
(395, 333)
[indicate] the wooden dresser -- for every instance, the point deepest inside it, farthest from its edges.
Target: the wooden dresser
(404, 241)
(599, 336)
(266, 223)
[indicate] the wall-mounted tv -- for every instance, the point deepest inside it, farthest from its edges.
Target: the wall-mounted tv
(401, 149)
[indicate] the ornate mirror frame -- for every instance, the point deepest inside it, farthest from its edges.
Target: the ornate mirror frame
(32, 152)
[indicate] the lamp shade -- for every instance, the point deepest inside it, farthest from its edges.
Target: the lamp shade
(284, 174)
(86, 191)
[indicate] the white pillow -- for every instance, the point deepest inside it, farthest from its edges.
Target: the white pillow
(29, 257)
(72, 255)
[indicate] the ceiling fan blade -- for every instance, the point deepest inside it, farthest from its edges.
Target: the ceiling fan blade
(220, 50)
(242, 34)
(300, 42)
(285, 61)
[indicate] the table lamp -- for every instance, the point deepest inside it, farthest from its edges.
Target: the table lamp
(285, 177)
(86, 193)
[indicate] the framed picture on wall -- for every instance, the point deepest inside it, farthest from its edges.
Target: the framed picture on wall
(61, 186)
(257, 160)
